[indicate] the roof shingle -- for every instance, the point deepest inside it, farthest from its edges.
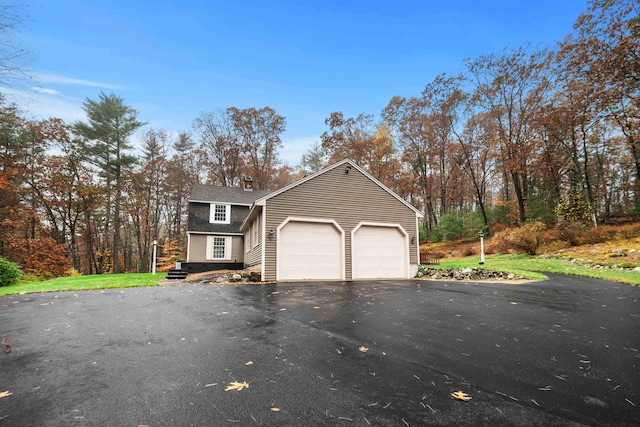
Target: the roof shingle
(231, 195)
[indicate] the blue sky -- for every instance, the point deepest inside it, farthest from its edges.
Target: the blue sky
(173, 60)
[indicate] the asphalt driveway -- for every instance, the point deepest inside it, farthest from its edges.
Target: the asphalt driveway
(560, 352)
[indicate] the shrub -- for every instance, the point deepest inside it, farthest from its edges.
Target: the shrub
(569, 231)
(525, 239)
(42, 257)
(9, 272)
(450, 227)
(468, 251)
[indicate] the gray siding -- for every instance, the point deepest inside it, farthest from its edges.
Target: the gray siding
(198, 249)
(199, 218)
(254, 256)
(347, 198)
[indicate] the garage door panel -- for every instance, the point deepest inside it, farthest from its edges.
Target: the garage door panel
(310, 250)
(379, 252)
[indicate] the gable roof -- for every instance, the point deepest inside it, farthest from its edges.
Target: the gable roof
(232, 195)
(353, 164)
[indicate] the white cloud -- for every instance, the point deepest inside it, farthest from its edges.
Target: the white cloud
(39, 104)
(45, 90)
(294, 148)
(64, 80)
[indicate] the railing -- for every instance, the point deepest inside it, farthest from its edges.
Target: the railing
(429, 258)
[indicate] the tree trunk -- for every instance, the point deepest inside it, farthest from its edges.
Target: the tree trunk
(517, 188)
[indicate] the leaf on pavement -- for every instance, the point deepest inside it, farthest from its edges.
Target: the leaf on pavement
(363, 349)
(459, 395)
(249, 363)
(235, 385)
(275, 409)
(5, 394)
(547, 388)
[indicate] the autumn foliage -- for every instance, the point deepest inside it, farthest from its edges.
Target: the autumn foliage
(524, 239)
(520, 139)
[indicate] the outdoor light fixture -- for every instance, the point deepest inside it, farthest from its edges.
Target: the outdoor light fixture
(271, 234)
(347, 169)
(481, 247)
(413, 240)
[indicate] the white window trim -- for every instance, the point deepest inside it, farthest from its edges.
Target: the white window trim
(247, 241)
(212, 212)
(227, 248)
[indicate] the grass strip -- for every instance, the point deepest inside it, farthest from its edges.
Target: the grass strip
(77, 283)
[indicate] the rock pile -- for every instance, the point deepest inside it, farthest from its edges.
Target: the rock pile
(465, 274)
(225, 276)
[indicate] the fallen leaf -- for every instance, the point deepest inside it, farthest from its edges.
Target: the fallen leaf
(5, 394)
(316, 308)
(249, 363)
(275, 409)
(7, 345)
(363, 349)
(459, 395)
(211, 385)
(547, 388)
(235, 385)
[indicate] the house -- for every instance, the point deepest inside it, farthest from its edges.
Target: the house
(337, 224)
(214, 239)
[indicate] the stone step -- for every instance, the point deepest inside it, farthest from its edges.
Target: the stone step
(174, 274)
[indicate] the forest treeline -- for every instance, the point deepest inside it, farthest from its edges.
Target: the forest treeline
(531, 133)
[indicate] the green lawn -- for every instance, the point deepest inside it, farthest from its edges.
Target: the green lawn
(534, 267)
(76, 283)
(529, 266)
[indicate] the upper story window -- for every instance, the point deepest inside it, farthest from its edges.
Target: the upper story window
(220, 214)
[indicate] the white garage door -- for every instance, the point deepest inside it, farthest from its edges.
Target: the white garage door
(309, 250)
(379, 253)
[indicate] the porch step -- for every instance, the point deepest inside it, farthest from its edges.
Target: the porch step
(174, 274)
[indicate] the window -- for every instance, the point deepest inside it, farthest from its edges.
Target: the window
(254, 232)
(218, 248)
(220, 214)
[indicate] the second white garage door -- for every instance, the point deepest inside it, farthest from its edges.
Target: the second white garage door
(310, 250)
(380, 252)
